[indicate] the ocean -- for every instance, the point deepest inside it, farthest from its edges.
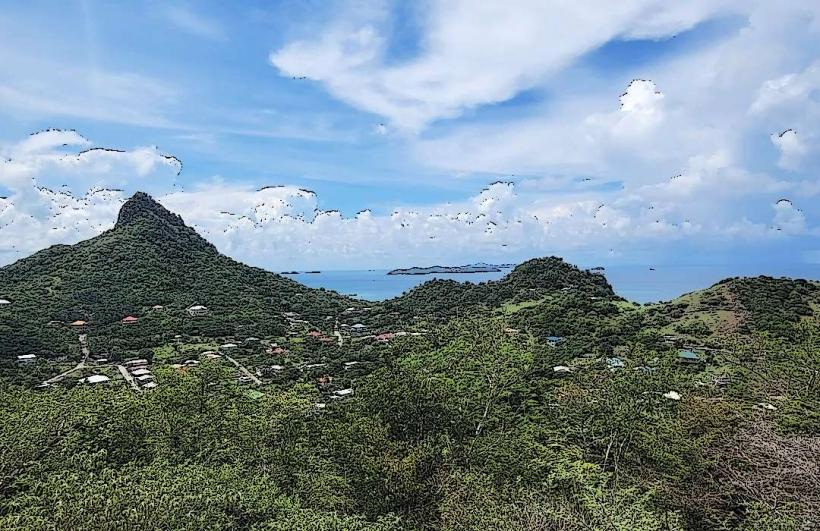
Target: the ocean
(633, 282)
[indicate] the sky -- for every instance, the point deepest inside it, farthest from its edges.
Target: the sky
(380, 134)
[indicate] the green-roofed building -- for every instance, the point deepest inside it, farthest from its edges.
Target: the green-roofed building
(688, 356)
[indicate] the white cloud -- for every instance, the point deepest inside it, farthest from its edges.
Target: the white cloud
(788, 218)
(282, 227)
(473, 53)
(792, 149)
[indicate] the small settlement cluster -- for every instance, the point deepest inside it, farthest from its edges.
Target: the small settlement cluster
(331, 352)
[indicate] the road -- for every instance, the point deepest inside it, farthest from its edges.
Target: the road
(244, 370)
(336, 331)
(128, 377)
(81, 365)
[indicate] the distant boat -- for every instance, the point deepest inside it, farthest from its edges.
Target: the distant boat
(651, 268)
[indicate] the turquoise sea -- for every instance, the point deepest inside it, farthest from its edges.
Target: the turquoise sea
(633, 282)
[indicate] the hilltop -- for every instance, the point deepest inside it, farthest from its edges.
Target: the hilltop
(741, 305)
(150, 258)
(531, 280)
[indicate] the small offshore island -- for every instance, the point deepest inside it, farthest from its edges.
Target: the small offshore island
(470, 268)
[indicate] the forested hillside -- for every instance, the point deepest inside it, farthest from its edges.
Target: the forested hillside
(149, 258)
(539, 401)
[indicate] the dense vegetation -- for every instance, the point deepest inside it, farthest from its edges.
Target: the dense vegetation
(470, 431)
(540, 401)
(149, 258)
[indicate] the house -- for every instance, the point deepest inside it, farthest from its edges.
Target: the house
(144, 378)
(140, 372)
(197, 310)
(129, 319)
(342, 393)
(688, 357)
(672, 395)
(141, 362)
(554, 341)
(97, 378)
(157, 307)
(277, 367)
(561, 369)
(511, 331)
(358, 328)
(615, 363)
(387, 336)
(26, 358)
(78, 323)
(252, 340)
(149, 385)
(276, 351)
(4, 302)
(349, 364)
(228, 346)
(212, 355)
(314, 333)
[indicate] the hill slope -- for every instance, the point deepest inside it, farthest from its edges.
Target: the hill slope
(742, 305)
(529, 281)
(149, 258)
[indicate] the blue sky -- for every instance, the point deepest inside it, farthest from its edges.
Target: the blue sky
(636, 132)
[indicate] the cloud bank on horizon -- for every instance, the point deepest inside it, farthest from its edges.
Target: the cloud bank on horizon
(613, 141)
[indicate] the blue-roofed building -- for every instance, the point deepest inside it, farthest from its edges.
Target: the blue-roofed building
(554, 340)
(688, 356)
(615, 363)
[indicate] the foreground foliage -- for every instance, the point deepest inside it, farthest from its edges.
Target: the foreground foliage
(466, 431)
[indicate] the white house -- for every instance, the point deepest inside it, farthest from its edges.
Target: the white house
(228, 346)
(149, 385)
(672, 395)
(197, 310)
(144, 378)
(342, 393)
(140, 372)
(4, 302)
(97, 378)
(26, 358)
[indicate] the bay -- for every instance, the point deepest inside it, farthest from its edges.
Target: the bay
(634, 282)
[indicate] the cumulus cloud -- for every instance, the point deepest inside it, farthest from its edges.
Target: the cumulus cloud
(792, 149)
(282, 227)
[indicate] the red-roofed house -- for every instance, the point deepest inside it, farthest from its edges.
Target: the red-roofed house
(129, 319)
(314, 333)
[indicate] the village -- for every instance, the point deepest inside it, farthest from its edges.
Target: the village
(331, 357)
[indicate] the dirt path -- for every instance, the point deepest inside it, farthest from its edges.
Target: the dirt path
(81, 365)
(244, 370)
(336, 331)
(128, 378)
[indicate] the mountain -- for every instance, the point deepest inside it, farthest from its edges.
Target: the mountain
(532, 280)
(149, 258)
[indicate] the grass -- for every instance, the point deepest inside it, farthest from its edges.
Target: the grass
(510, 308)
